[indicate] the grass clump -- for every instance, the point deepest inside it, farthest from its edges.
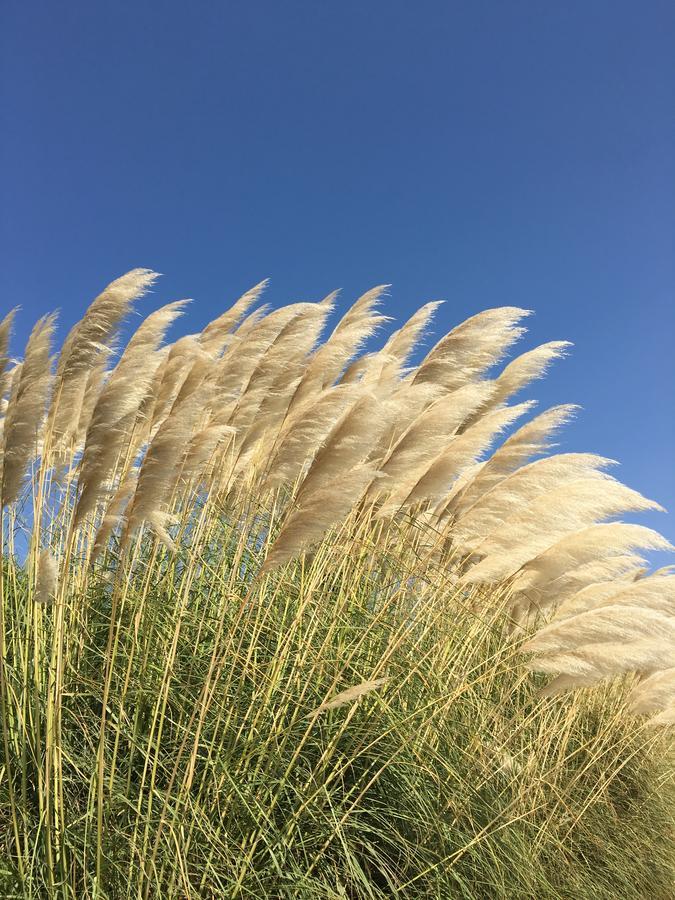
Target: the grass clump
(450, 779)
(262, 610)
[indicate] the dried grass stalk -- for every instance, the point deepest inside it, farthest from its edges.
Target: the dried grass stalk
(348, 696)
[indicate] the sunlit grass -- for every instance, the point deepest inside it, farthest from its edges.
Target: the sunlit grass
(263, 599)
(208, 777)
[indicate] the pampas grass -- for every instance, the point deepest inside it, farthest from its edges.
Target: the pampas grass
(290, 617)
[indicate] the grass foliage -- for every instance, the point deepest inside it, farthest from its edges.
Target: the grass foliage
(207, 694)
(453, 779)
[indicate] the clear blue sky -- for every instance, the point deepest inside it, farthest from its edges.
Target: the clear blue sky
(483, 152)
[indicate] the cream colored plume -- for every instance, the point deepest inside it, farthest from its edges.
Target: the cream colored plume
(328, 362)
(215, 335)
(305, 431)
(549, 517)
(348, 696)
(100, 322)
(114, 513)
(595, 663)
(23, 424)
(471, 348)
(149, 334)
(46, 581)
(656, 693)
(327, 505)
(176, 365)
(349, 442)
(529, 440)
(602, 626)
(391, 361)
(543, 595)
(199, 372)
(241, 359)
(163, 464)
(462, 451)
(93, 387)
(5, 335)
(411, 401)
(521, 371)
(367, 367)
(86, 340)
(655, 591)
(276, 377)
(117, 407)
(421, 443)
(603, 643)
(596, 542)
(201, 450)
(335, 482)
(515, 492)
(526, 368)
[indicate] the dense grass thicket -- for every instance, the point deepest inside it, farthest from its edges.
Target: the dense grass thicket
(277, 620)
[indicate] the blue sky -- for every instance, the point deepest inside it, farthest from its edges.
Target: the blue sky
(486, 153)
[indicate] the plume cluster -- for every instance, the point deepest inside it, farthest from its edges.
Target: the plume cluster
(318, 431)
